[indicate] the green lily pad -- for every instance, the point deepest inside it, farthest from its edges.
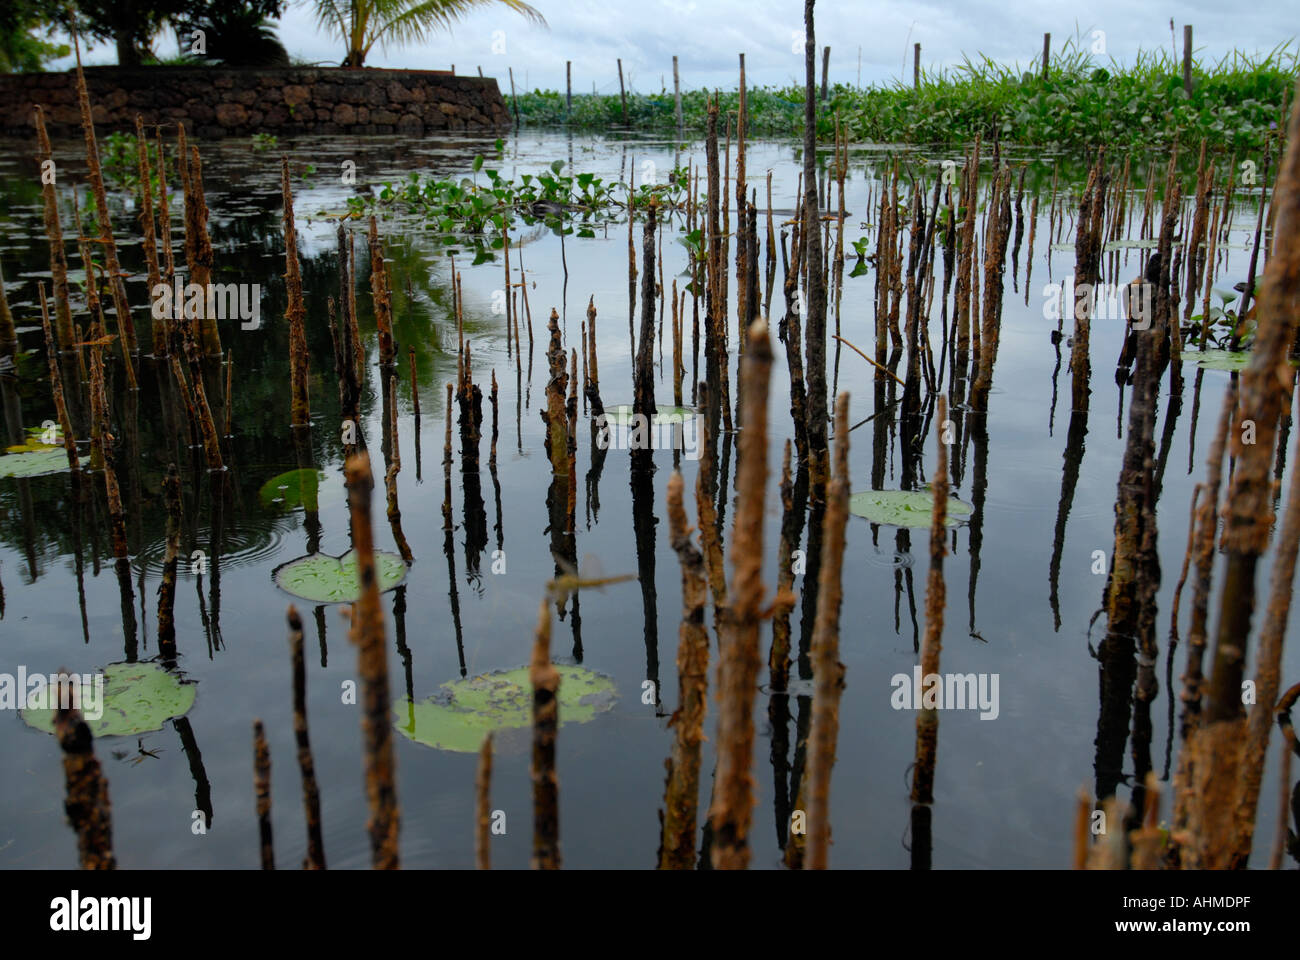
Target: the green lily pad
(321, 578)
(1145, 243)
(33, 460)
(622, 414)
(294, 488)
(463, 711)
(137, 698)
(1233, 360)
(903, 508)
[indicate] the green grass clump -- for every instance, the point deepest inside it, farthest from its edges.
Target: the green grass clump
(772, 111)
(1235, 104)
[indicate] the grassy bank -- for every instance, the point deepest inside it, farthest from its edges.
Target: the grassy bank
(1234, 104)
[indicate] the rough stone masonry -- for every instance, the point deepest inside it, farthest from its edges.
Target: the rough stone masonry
(216, 102)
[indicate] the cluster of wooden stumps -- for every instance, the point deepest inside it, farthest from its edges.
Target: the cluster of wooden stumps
(927, 241)
(1219, 769)
(184, 365)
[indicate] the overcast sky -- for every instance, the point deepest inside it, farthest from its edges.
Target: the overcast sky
(707, 35)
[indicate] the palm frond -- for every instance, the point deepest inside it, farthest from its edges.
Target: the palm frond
(417, 20)
(329, 14)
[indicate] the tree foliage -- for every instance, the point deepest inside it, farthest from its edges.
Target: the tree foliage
(360, 24)
(25, 42)
(132, 25)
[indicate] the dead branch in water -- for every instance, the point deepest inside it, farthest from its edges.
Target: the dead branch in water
(883, 369)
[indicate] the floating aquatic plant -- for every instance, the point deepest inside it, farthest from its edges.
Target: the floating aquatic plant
(321, 578)
(294, 488)
(463, 711)
(664, 413)
(1232, 360)
(903, 508)
(137, 698)
(32, 460)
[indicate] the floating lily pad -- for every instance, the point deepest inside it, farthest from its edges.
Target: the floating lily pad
(320, 578)
(903, 508)
(295, 488)
(137, 698)
(1233, 360)
(462, 712)
(32, 460)
(622, 414)
(1145, 243)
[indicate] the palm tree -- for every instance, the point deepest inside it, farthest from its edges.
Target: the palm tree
(241, 37)
(360, 23)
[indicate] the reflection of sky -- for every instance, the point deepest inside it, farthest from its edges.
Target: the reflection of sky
(873, 42)
(1004, 790)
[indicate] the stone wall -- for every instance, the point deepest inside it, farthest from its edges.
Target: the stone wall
(214, 102)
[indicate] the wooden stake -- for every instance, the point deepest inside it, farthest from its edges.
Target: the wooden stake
(483, 806)
(545, 680)
(622, 94)
(415, 386)
(315, 859)
(372, 666)
(262, 787)
(677, 845)
(381, 296)
(296, 311)
(54, 234)
(927, 719)
(828, 672)
(677, 97)
(514, 102)
(87, 804)
(159, 330)
(122, 309)
(56, 383)
(167, 589)
(733, 804)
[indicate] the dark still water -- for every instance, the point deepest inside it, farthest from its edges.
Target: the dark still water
(1020, 575)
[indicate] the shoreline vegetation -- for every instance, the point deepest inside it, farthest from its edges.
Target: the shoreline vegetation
(1236, 104)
